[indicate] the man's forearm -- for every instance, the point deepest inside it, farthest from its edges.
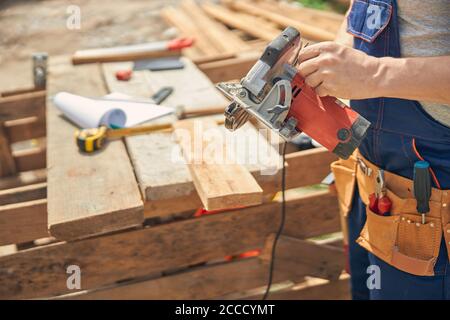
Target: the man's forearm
(426, 78)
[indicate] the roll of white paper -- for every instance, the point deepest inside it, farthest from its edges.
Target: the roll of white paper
(89, 113)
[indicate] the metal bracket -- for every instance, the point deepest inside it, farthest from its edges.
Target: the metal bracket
(40, 69)
(272, 110)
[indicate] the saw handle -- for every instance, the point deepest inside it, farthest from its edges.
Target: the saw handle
(326, 119)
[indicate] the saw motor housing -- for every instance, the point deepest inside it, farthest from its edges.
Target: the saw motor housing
(275, 93)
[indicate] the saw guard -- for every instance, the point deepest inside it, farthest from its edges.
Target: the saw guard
(272, 111)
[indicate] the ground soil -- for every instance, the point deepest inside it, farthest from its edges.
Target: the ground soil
(35, 26)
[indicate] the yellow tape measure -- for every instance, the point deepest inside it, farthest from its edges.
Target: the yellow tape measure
(90, 140)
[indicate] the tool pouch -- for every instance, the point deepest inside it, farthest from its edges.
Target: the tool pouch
(400, 239)
(344, 172)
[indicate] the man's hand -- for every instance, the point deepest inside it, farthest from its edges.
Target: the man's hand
(333, 69)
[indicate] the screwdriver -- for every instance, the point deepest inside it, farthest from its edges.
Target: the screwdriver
(422, 187)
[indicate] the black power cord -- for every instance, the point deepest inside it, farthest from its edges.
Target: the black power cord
(281, 227)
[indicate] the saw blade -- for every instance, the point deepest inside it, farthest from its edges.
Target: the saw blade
(235, 116)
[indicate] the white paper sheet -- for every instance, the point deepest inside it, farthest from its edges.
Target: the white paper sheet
(113, 110)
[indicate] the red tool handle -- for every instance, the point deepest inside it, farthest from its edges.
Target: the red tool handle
(373, 203)
(384, 206)
(124, 75)
(180, 43)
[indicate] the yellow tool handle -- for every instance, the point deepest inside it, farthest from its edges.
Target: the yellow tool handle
(119, 133)
(90, 140)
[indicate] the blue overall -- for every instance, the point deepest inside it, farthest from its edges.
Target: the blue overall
(389, 145)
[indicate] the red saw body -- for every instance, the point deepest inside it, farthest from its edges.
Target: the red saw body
(275, 93)
(326, 119)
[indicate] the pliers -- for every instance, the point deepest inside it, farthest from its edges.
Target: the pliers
(379, 202)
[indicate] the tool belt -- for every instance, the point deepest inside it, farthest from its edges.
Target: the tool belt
(399, 239)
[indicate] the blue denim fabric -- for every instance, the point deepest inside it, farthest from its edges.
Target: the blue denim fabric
(396, 125)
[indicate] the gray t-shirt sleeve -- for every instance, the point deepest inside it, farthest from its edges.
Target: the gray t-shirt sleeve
(425, 32)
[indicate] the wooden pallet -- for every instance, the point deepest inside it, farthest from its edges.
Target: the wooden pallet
(222, 31)
(151, 246)
(23, 188)
(185, 258)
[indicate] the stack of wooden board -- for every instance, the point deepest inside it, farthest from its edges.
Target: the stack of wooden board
(230, 36)
(257, 19)
(313, 24)
(125, 216)
(212, 39)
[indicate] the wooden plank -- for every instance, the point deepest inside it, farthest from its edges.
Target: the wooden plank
(25, 193)
(162, 173)
(307, 31)
(210, 281)
(219, 184)
(137, 253)
(25, 129)
(325, 261)
(244, 22)
(137, 86)
(8, 249)
(326, 218)
(204, 282)
(315, 289)
(23, 179)
(159, 175)
(210, 58)
(303, 168)
(22, 222)
(308, 167)
(22, 106)
(14, 92)
(222, 38)
(151, 153)
(192, 89)
(30, 159)
(229, 69)
(203, 46)
(322, 19)
(87, 195)
(125, 53)
(7, 163)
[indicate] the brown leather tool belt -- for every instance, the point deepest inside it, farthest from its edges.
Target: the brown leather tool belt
(399, 239)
